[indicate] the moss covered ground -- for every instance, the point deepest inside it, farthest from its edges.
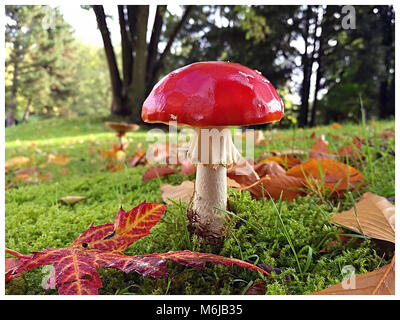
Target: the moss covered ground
(35, 219)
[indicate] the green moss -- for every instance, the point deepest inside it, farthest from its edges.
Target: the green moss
(36, 220)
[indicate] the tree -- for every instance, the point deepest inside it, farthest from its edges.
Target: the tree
(37, 61)
(141, 61)
(358, 62)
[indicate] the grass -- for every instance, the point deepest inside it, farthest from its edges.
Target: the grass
(259, 230)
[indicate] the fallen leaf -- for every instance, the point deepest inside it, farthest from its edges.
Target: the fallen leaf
(182, 192)
(163, 152)
(157, 171)
(232, 184)
(57, 159)
(17, 162)
(134, 161)
(336, 125)
(187, 167)
(268, 167)
(320, 149)
(378, 282)
(243, 173)
(351, 150)
(72, 199)
(12, 264)
(274, 185)
(101, 247)
(258, 288)
(336, 176)
(375, 216)
(116, 167)
(25, 178)
(386, 134)
(285, 161)
(46, 176)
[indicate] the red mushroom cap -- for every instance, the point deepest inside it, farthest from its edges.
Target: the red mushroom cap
(208, 94)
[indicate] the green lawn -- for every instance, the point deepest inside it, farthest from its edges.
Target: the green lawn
(36, 220)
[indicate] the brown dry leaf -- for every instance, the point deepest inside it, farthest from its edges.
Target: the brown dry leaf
(188, 168)
(26, 175)
(337, 176)
(182, 192)
(29, 171)
(116, 152)
(116, 167)
(243, 173)
(386, 134)
(351, 150)
(320, 149)
(71, 199)
(275, 184)
(17, 162)
(268, 167)
(46, 176)
(25, 178)
(134, 161)
(285, 161)
(162, 152)
(57, 159)
(378, 282)
(157, 171)
(232, 184)
(257, 288)
(375, 216)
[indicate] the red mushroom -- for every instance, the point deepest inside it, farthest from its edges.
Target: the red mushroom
(212, 96)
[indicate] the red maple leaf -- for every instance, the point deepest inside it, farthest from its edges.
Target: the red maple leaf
(75, 267)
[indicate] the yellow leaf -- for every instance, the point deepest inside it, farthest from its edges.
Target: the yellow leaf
(182, 192)
(375, 217)
(17, 162)
(57, 159)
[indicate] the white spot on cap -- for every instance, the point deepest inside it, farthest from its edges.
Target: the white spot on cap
(274, 105)
(173, 117)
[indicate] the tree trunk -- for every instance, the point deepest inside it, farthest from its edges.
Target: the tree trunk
(319, 74)
(137, 89)
(307, 65)
(26, 113)
(12, 109)
(126, 48)
(119, 105)
(153, 46)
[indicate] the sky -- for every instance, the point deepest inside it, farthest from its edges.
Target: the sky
(85, 26)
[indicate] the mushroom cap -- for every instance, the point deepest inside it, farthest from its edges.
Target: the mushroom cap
(121, 127)
(212, 94)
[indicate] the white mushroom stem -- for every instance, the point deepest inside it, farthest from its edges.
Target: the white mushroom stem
(212, 149)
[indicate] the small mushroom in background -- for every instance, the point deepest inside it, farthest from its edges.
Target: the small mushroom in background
(211, 96)
(121, 129)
